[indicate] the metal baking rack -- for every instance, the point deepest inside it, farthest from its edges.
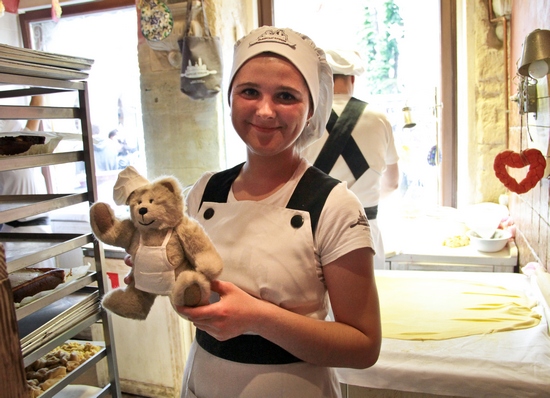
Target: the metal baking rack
(57, 317)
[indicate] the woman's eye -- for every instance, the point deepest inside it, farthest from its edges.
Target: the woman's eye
(287, 96)
(250, 92)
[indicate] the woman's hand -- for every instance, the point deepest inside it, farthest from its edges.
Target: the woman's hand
(227, 318)
(128, 261)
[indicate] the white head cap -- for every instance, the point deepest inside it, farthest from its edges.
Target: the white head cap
(306, 57)
(127, 182)
(345, 62)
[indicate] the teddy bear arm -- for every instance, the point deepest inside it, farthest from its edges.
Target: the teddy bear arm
(119, 235)
(199, 249)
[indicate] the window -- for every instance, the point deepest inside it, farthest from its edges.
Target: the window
(114, 87)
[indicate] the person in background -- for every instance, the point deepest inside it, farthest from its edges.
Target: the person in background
(358, 146)
(31, 181)
(105, 150)
(290, 237)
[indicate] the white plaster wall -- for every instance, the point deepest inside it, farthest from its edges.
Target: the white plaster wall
(9, 30)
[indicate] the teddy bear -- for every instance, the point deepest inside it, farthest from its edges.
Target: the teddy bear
(171, 253)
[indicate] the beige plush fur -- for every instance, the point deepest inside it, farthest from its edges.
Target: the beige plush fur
(155, 209)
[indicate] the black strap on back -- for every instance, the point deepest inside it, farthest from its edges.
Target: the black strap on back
(340, 141)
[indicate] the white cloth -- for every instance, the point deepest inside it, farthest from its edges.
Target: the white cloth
(374, 137)
(24, 182)
(345, 62)
(153, 272)
(495, 365)
(267, 257)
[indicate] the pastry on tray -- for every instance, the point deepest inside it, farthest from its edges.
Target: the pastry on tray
(13, 145)
(30, 281)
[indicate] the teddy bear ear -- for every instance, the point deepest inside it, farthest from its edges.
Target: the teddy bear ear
(171, 184)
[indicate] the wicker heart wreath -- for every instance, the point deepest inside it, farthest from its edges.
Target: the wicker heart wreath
(530, 157)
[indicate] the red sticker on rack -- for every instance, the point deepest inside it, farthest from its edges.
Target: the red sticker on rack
(114, 278)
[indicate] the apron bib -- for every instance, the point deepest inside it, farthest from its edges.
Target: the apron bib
(153, 273)
(268, 251)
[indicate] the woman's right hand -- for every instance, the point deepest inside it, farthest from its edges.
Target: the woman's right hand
(128, 261)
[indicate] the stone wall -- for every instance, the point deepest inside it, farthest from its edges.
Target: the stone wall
(185, 137)
(530, 210)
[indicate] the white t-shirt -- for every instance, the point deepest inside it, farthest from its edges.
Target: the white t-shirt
(374, 137)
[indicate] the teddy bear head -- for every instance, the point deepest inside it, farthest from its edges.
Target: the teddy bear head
(158, 205)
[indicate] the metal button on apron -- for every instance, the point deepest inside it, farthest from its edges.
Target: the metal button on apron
(297, 221)
(208, 213)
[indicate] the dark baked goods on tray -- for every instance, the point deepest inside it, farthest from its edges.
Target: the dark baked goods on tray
(30, 281)
(13, 145)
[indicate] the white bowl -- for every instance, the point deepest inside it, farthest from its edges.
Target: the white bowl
(484, 218)
(494, 244)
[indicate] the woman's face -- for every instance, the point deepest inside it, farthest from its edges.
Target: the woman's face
(270, 104)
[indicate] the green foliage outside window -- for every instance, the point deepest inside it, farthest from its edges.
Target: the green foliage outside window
(383, 27)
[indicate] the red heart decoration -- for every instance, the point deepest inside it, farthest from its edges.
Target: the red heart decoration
(530, 157)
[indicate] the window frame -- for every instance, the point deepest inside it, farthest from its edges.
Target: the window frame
(25, 19)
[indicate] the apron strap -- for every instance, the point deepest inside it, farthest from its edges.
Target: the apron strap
(340, 141)
(311, 194)
(218, 186)
(246, 349)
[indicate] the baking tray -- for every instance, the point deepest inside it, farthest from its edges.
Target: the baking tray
(52, 72)
(44, 58)
(56, 318)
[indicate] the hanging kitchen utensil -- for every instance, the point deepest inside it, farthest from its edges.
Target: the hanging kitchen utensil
(201, 65)
(155, 19)
(530, 157)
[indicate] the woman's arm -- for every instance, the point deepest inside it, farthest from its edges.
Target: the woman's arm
(352, 341)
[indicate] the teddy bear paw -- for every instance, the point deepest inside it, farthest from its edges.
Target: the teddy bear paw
(192, 296)
(191, 289)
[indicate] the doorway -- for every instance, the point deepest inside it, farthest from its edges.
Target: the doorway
(110, 39)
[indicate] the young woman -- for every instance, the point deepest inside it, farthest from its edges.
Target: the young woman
(290, 237)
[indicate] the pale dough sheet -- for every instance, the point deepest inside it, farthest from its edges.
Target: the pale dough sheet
(437, 309)
(507, 364)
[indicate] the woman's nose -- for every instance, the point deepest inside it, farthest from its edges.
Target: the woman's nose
(266, 108)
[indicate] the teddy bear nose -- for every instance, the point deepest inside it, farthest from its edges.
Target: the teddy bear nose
(142, 211)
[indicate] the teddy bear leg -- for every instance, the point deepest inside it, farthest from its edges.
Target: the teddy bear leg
(129, 302)
(191, 289)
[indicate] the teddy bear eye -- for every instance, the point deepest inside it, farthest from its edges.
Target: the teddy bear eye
(150, 200)
(139, 202)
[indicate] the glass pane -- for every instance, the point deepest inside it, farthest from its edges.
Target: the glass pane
(399, 40)
(110, 39)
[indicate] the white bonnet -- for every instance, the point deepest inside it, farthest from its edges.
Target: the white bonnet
(306, 57)
(345, 62)
(127, 182)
